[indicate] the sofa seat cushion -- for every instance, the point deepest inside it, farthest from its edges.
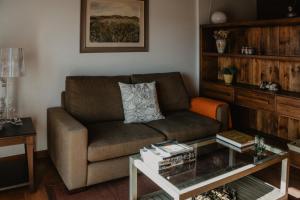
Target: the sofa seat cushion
(115, 139)
(186, 126)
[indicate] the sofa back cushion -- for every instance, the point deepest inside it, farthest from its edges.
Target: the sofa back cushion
(95, 98)
(171, 92)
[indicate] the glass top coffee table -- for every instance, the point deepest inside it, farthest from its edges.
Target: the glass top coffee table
(217, 165)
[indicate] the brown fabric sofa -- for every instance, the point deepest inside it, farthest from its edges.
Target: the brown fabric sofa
(88, 141)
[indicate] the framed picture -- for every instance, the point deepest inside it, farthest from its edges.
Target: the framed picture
(114, 26)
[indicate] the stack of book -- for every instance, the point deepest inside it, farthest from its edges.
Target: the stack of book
(164, 156)
(236, 140)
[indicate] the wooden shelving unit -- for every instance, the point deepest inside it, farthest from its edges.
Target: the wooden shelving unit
(278, 60)
(255, 88)
(266, 57)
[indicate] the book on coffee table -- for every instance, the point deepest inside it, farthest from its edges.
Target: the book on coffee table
(160, 162)
(235, 148)
(236, 138)
(172, 148)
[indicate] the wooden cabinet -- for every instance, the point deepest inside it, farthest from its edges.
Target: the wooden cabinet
(218, 91)
(277, 59)
(288, 109)
(288, 106)
(255, 100)
(288, 128)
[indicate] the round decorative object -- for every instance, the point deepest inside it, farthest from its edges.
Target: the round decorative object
(221, 45)
(218, 17)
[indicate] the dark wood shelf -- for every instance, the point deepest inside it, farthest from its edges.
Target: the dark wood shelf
(276, 22)
(256, 88)
(268, 57)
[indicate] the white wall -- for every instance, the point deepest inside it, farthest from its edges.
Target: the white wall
(48, 30)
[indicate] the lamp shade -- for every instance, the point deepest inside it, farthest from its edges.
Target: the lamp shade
(11, 62)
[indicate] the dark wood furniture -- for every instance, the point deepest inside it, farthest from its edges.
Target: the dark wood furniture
(24, 134)
(277, 60)
(272, 9)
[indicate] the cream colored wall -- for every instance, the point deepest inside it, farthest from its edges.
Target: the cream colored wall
(48, 30)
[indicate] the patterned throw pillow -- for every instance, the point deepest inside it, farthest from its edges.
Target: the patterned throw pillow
(140, 102)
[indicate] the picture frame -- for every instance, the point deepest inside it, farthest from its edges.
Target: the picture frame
(114, 26)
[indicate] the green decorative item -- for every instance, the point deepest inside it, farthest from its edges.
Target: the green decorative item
(228, 74)
(260, 146)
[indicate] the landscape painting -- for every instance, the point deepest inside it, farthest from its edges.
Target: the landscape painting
(114, 25)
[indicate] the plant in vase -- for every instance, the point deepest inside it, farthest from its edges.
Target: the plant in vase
(221, 40)
(228, 74)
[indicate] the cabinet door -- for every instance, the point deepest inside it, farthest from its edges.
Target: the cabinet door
(295, 159)
(260, 120)
(288, 106)
(288, 128)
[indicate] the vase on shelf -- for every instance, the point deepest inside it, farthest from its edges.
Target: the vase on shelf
(221, 45)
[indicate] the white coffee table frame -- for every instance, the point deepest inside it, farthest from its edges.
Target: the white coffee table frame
(281, 193)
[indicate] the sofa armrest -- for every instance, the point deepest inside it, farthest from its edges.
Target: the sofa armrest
(214, 109)
(67, 146)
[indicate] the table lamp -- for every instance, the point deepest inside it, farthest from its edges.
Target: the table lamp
(11, 67)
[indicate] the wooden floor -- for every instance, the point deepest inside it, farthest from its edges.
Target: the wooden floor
(47, 175)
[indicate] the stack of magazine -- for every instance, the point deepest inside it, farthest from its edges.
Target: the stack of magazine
(166, 155)
(236, 140)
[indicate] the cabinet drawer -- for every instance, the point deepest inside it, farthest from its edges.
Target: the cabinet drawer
(255, 100)
(217, 91)
(288, 106)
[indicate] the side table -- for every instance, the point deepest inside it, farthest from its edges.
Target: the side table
(24, 134)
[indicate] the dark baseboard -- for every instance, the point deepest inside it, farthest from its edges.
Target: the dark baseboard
(41, 154)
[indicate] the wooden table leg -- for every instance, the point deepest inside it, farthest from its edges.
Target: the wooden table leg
(30, 152)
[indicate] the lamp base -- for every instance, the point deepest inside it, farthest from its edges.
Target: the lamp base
(15, 122)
